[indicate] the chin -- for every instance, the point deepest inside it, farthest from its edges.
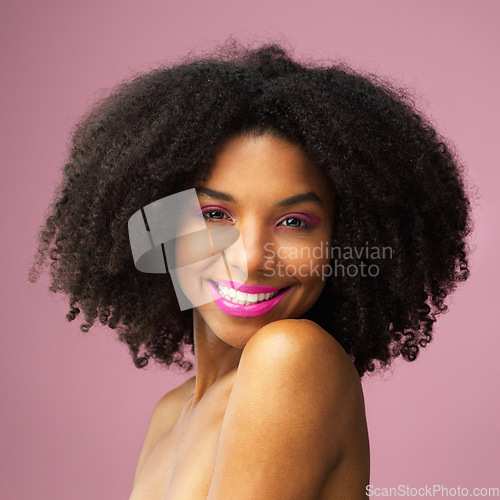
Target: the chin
(235, 331)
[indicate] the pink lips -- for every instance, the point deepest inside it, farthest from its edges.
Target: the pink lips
(240, 310)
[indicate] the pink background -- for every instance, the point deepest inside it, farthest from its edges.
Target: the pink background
(74, 408)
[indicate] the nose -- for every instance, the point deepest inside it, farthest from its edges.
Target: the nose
(253, 257)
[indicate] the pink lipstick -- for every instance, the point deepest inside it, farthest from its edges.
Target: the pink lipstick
(245, 301)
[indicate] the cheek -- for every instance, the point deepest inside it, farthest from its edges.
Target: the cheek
(307, 261)
(189, 278)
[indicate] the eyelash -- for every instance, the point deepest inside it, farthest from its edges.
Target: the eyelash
(207, 210)
(306, 221)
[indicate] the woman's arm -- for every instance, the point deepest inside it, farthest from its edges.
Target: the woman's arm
(289, 417)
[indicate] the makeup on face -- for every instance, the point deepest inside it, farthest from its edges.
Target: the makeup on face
(213, 213)
(245, 301)
(267, 189)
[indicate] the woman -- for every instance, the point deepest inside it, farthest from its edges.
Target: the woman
(351, 218)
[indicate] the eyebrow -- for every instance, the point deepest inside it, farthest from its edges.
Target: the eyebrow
(298, 198)
(215, 194)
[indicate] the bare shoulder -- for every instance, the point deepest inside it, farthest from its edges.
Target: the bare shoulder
(299, 345)
(299, 353)
(304, 366)
(165, 414)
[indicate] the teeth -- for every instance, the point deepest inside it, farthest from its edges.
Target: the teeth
(242, 298)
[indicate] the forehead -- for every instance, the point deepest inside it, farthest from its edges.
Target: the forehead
(264, 167)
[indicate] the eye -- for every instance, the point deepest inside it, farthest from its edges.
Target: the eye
(215, 214)
(293, 222)
(299, 220)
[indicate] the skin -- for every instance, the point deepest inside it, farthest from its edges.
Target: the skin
(276, 409)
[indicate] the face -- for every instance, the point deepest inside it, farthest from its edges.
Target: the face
(281, 204)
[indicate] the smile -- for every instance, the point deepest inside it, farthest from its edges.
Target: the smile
(245, 301)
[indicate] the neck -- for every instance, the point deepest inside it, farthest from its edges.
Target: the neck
(213, 357)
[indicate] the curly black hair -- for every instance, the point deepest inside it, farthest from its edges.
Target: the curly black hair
(395, 183)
